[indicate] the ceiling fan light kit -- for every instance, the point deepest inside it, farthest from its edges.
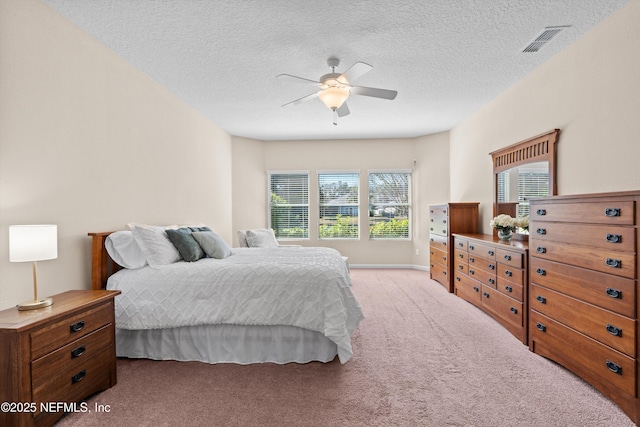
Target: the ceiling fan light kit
(335, 88)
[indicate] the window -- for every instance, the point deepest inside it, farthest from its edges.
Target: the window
(338, 205)
(289, 204)
(532, 183)
(389, 205)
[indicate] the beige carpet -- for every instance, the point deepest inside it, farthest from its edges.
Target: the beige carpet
(423, 357)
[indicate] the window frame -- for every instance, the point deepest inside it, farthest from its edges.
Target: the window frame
(408, 204)
(270, 174)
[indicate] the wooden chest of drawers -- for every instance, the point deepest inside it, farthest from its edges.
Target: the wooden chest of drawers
(58, 354)
(584, 298)
(492, 274)
(444, 220)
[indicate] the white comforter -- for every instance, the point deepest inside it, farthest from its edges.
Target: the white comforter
(305, 287)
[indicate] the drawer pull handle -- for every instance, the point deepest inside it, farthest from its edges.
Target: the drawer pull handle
(471, 259)
(444, 273)
(614, 367)
(475, 288)
(491, 253)
(514, 310)
(472, 272)
(77, 327)
(541, 231)
(444, 231)
(460, 244)
(611, 212)
(507, 257)
(78, 351)
(460, 256)
(431, 239)
(461, 267)
(541, 271)
(541, 299)
(79, 376)
(492, 267)
(471, 247)
(508, 288)
(458, 278)
(541, 212)
(444, 211)
(614, 238)
(444, 221)
(614, 263)
(613, 330)
(614, 293)
(485, 294)
(541, 327)
(541, 250)
(492, 281)
(444, 258)
(508, 273)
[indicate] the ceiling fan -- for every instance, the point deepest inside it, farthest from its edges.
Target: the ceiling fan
(335, 88)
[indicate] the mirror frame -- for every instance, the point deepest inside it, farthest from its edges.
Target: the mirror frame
(539, 148)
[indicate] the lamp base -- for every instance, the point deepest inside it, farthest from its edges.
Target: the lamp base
(32, 305)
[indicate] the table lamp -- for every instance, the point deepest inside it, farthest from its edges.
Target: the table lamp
(31, 243)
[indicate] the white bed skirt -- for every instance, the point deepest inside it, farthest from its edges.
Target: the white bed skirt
(227, 344)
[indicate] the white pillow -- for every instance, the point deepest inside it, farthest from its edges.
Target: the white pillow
(155, 244)
(264, 238)
(242, 238)
(124, 250)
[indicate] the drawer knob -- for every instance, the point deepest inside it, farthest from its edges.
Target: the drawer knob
(614, 263)
(444, 273)
(78, 377)
(613, 330)
(471, 247)
(541, 271)
(485, 294)
(458, 278)
(492, 267)
(614, 367)
(541, 212)
(614, 293)
(460, 244)
(472, 272)
(492, 281)
(507, 257)
(614, 238)
(76, 327)
(475, 288)
(491, 253)
(611, 212)
(541, 250)
(508, 288)
(541, 231)
(444, 231)
(541, 327)
(461, 267)
(460, 256)
(78, 351)
(541, 299)
(508, 273)
(514, 310)
(471, 259)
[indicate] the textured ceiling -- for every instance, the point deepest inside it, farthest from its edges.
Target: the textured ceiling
(445, 58)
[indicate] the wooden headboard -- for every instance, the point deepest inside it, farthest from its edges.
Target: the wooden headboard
(102, 266)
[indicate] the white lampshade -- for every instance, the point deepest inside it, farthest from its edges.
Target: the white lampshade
(33, 242)
(333, 97)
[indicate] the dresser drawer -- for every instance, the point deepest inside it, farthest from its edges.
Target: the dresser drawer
(460, 256)
(481, 250)
(479, 263)
(483, 276)
(58, 334)
(439, 225)
(439, 242)
(439, 210)
(70, 358)
(593, 361)
(467, 288)
(614, 330)
(612, 212)
(604, 290)
(461, 244)
(436, 255)
(439, 273)
(598, 236)
(513, 259)
(514, 290)
(513, 275)
(503, 306)
(618, 263)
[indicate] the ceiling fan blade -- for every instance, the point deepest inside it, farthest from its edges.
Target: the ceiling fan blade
(354, 72)
(343, 110)
(303, 99)
(374, 92)
(296, 79)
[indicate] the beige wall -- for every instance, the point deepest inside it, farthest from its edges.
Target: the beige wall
(590, 91)
(89, 143)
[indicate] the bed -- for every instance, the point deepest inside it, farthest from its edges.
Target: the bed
(274, 304)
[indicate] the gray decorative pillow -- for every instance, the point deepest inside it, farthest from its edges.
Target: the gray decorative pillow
(212, 244)
(264, 238)
(242, 238)
(186, 245)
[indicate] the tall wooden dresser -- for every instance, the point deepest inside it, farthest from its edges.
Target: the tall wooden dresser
(492, 275)
(583, 289)
(446, 219)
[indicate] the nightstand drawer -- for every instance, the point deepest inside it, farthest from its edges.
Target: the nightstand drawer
(46, 339)
(69, 359)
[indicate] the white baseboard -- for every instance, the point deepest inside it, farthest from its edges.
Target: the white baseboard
(401, 266)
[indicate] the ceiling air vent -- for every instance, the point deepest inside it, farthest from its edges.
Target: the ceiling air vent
(544, 37)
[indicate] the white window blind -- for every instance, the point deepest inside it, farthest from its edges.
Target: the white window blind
(289, 204)
(389, 205)
(531, 184)
(338, 205)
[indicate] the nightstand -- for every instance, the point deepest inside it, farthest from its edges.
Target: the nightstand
(62, 353)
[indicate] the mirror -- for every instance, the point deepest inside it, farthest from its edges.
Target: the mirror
(523, 171)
